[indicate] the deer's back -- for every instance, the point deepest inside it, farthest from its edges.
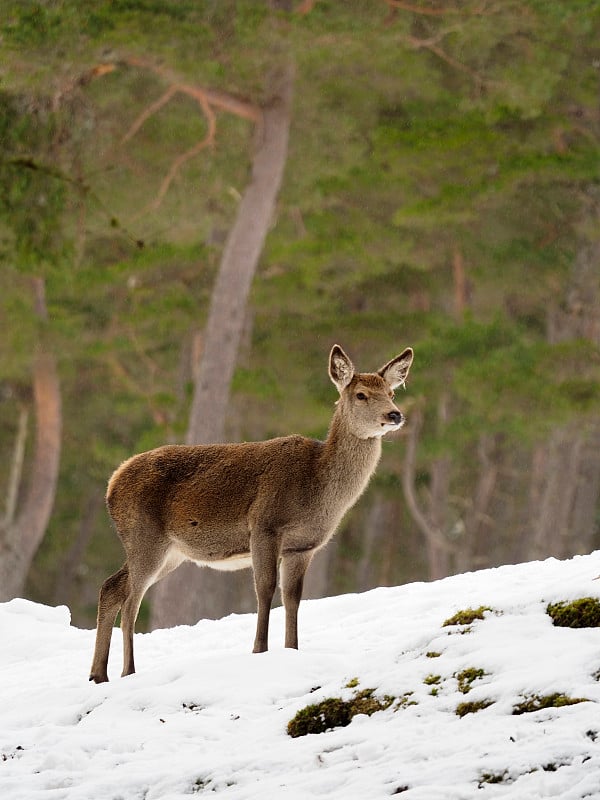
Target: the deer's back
(214, 486)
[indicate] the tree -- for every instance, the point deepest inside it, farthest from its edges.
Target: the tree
(32, 200)
(25, 520)
(186, 595)
(441, 159)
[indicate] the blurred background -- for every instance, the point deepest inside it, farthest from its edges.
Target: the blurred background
(440, 189)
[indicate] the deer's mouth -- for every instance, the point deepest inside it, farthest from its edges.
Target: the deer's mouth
(394, 422)
(386, 426)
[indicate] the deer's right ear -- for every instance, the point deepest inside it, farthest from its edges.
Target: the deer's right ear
(341, 369)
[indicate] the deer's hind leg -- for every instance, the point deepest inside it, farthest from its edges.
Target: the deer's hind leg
(113, 593)
(143, 574)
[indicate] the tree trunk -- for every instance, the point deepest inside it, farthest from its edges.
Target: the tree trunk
(431, 520)
(66, 579)
(189, 594)
(474, 551)
(24, 527)
(565, 488)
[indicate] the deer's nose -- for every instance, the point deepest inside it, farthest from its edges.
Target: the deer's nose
(395, 417)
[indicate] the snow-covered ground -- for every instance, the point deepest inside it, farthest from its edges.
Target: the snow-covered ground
(204, 716)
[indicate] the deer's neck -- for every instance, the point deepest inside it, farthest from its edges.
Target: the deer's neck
(347, 463)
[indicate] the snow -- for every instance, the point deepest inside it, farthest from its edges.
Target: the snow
(203, 716)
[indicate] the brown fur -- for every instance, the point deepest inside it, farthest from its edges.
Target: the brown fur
(256, 504)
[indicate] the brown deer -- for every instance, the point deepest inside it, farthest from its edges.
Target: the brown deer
(230, 506)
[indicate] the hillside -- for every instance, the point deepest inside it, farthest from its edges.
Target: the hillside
(203, 716)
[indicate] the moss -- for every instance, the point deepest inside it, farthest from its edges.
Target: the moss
(466, 678)
(319, 717)
(581, 613)
(462, 709)
(405, 701)
(466, 616)
(352, 684)
(365, 703)
(493, 777)
(432, 654)
(539, 702)
(433, 681)
(200, 784)
(334, 712)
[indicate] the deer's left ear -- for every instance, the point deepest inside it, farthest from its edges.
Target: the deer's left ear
(395, 371)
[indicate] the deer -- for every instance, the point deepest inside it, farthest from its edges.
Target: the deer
(267, 505)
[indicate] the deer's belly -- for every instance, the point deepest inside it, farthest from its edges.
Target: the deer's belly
(240, 561)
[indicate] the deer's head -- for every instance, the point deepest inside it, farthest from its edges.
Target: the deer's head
(366, 403)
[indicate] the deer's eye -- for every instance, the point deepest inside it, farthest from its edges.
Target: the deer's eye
(361, 396)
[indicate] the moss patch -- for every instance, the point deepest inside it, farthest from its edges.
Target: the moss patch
(334, 712)
(539, 702)
(462, 709)
(466, 616)
(467, 677)
(493, 777)
(433, 681)
(405, 701)
(582, 613)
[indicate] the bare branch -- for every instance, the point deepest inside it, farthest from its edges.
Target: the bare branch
(180, 160)
(208, 100)
(222, 100)
(429, 530)
(432, 46)
(147, 113)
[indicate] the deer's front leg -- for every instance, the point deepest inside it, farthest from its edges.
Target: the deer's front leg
(264, 548)
(293, 569)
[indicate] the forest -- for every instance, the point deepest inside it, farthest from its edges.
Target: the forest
(198, 199)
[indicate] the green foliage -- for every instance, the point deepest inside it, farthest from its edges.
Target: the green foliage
(400, 157)
(540, 702)
(472, 707)
(333, 712)
(32, 192)
(434, 681)
(467, 677)
(467, 616)
(581, 613)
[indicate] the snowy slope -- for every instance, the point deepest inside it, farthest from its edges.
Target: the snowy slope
(203, 716)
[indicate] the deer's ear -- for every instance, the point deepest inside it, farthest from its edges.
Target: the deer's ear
(341, 369)
(395, 371)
